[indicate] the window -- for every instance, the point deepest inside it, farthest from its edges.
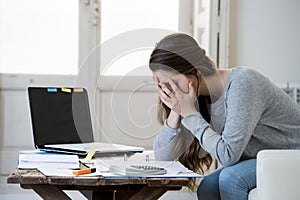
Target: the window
(39, 37)
(135, 18)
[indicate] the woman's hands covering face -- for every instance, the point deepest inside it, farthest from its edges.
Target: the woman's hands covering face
(167, 96)
(180, 102)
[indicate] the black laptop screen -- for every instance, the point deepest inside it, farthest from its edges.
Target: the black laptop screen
(60, 115)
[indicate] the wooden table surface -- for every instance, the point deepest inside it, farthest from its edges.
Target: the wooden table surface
(100, 188)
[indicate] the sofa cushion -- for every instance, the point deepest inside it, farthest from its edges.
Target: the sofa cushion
(253, 194)
(278, 174)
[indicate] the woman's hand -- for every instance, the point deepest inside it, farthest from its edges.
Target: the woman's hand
(167, 96)
(184, 101)
(173, 119)
(178, 101)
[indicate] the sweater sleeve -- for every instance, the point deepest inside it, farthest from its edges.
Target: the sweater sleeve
(244, 109)
(163, 143)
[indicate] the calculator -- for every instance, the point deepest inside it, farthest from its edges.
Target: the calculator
(144, 170)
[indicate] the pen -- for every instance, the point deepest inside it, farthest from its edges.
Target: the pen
(83, 164)
(84, 171)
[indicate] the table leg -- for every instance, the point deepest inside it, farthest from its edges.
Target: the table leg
(87, 194)
(143, 193)
(107, 195)
(148, 193)
(50, 192)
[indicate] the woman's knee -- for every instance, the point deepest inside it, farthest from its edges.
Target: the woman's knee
(209, 187)
(238, 179)
(243, 172)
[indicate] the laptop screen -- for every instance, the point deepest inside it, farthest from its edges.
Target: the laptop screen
(60, 115)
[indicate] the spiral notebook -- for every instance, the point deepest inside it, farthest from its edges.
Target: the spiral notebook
(61, 122)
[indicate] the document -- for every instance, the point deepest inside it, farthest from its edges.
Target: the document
(118, 168)
(36, 160)
(138, 165)
(64, 172)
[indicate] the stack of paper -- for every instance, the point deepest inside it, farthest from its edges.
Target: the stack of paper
(114, 167)
(36, 161)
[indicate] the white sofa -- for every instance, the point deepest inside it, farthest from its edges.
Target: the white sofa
(278, 175)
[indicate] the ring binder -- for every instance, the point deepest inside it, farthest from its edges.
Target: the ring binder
(145, 169)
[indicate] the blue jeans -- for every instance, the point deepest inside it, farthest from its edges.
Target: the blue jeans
(229, 183)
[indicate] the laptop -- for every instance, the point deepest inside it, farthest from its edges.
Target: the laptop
(61, 123)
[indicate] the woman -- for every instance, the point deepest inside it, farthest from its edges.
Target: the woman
(227, 114)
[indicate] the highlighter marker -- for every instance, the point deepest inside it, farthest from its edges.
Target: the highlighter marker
(84, 171)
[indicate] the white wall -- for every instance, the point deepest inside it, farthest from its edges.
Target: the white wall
(264, 34)
(15, 128)
(128, 110)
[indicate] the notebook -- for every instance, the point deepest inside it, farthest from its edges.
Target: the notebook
(61, 122)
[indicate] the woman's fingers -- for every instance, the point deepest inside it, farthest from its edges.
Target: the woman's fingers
(176, 90)
(165, 99)
(169, 91)
(156, 80)
(191, 89)
(166, 93)
(169, 99)
(163, 94)
(163, 86)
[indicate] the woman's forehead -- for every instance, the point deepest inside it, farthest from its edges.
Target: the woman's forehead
(162, 74)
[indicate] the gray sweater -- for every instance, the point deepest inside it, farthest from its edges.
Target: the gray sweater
(253, 114)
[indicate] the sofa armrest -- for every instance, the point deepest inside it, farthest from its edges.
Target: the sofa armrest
(278, 174)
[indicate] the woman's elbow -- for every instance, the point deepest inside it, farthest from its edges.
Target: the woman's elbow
(228, 161)
(162, 155)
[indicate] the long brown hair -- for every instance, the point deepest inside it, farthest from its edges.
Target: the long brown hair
(180, 52)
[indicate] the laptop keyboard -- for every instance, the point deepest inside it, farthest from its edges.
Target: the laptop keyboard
(98, 146)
